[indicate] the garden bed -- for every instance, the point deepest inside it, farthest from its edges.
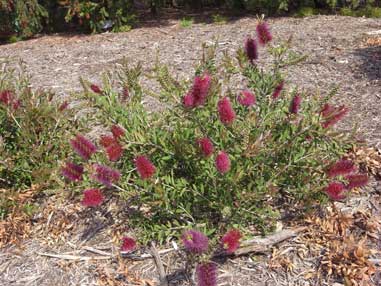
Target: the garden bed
(337, 56)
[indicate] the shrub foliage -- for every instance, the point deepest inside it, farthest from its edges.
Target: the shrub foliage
(227, 148)
(32, 126)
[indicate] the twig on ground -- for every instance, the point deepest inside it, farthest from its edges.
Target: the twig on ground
(255, 245)
(260, 245)
(74, 257)
(159, 264)
(97, 251)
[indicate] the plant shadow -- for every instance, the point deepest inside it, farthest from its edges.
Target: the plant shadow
(370, 61)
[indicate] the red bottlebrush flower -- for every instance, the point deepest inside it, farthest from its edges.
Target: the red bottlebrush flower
(226, 111)
(223, 162)
(117, 131)
(199, 92)
(231, 240)
(251, 49)
(145, 167)
(263, 33)
(125, 93)
(247, 98)
(356, 181)
(195, 241)
(342, 167)
(278, 89)
(107, 141)
(188, 100)
(106, 175)
(206, 146)
(327, 110)
(334, 115)
(295, 104)
(72, 171)
(114, 152)
(200, 89)
(16, 104)
(335, 191)
(84, 147)
(95, 88)
(6, 97)
(92, 198)
(207, 274)
(128, 244)
(309, 138)
(63, 106)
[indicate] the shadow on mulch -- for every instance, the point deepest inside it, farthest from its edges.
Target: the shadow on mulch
(167, 16)
(371, 61)
(164, 18)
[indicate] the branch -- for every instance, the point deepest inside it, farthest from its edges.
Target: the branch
(260, 245)
(159, 264)
(74, 257)
(255, 245)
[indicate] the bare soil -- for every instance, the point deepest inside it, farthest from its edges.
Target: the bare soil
(339, 54)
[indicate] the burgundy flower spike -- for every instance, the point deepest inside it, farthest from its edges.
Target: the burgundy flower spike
(263, 33)
(223, 162)
(206, 146)
(72, 172)
(144, 167)
(199, 92)
(207, 274)
(106, 175)
(251, 49)
(226, 111)
(342, 167)
(128, 244)
(92, 198)
(247, 98)
(231, 241)
(336, 191)
(195, 241)
(83, 146)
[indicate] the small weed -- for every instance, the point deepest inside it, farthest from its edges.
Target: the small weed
(306, 12)
(186, 22)
(345, 11)
(219, 19)
(123, 29)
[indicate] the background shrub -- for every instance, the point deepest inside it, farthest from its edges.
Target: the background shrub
(23, 18)
(32, 126)
(102, 15)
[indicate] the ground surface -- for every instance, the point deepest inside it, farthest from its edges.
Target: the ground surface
(338, 55)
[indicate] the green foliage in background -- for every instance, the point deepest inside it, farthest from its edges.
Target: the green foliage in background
(95, 15)
(23, 18)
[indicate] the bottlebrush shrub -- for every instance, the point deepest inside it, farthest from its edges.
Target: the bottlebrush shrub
(221, 151)
(31, 130)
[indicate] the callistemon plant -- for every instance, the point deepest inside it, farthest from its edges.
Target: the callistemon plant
(32, 127)
(221, 151)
